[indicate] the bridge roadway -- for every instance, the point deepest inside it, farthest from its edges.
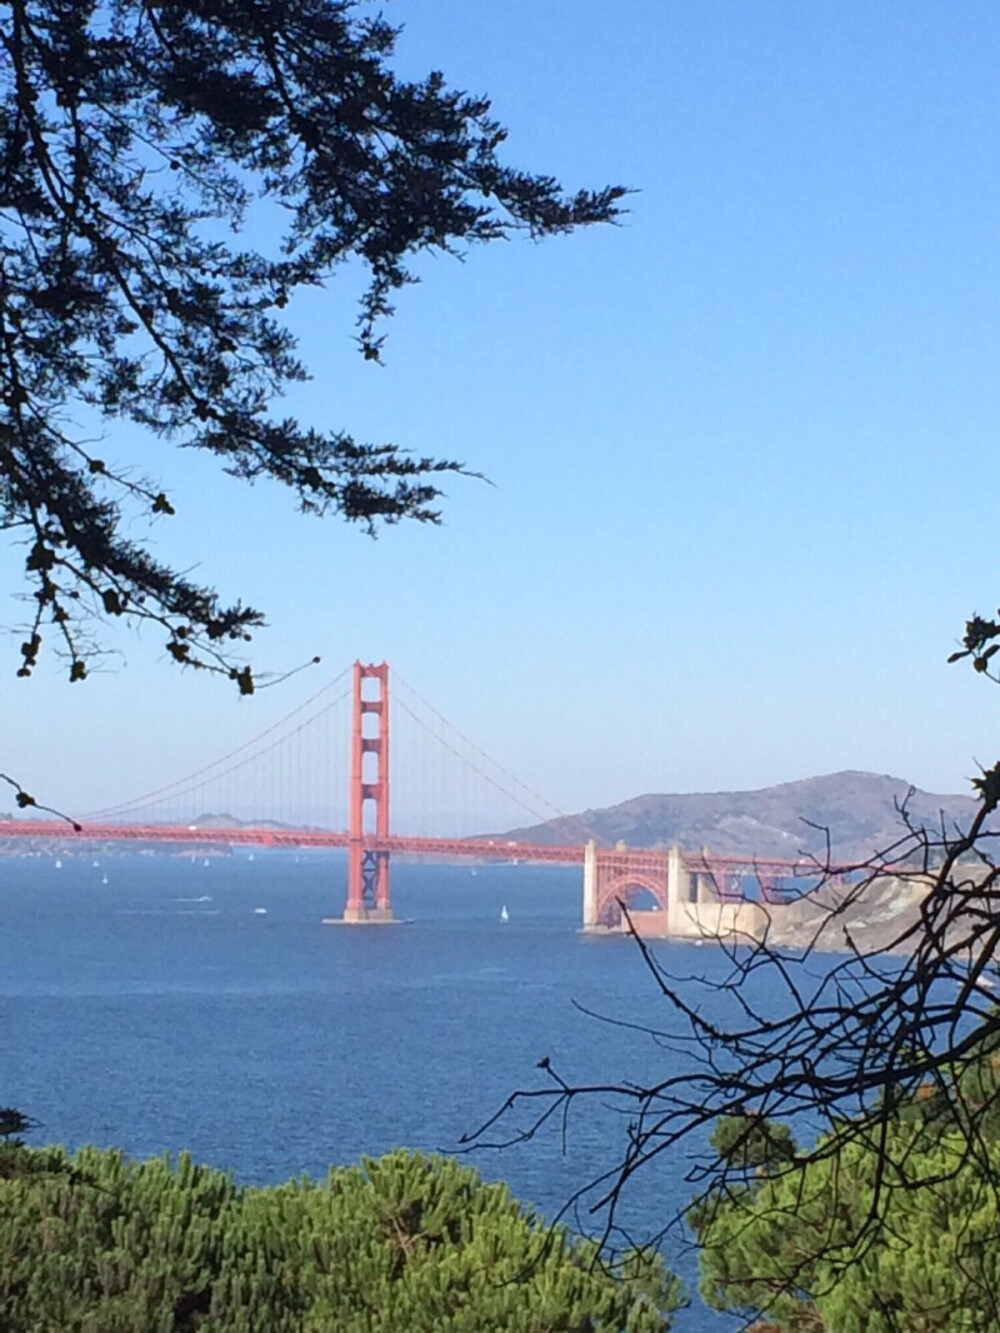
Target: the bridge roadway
(473, 848)
(247, 835)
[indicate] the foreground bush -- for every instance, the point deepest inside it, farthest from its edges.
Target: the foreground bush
(98, 1244)
(893, 1234)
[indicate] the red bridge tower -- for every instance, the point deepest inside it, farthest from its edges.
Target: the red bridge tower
(367, 855)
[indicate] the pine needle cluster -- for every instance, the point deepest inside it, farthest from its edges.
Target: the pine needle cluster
(95, 1241)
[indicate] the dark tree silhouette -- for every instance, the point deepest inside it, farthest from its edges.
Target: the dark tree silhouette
(136, 138)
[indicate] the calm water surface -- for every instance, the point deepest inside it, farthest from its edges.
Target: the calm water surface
(158, 1011)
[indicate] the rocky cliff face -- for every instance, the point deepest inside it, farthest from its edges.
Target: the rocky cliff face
(861, 812)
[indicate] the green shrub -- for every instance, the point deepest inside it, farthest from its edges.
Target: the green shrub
(796, 1240)
(95, 1243)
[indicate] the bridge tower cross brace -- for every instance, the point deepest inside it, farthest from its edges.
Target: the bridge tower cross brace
(368, 896)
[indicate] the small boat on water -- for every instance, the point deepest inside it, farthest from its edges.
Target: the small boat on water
(59, 865)
(504, 916)
(260, 911)
(104, 879)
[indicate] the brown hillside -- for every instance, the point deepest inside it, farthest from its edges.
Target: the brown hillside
(860, 810)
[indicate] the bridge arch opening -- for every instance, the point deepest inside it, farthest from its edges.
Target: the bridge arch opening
(641, 893)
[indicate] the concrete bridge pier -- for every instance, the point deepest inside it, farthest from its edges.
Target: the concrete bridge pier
(590, 916)
(691, 902)
(678, 892)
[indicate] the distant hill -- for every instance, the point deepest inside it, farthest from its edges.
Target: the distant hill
(860, 810)
(223, 820)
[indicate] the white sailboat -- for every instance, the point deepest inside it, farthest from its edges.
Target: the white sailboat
(503, 913)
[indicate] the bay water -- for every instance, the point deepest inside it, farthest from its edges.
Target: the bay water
(162, 1003)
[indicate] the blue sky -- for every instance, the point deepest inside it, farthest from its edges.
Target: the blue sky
(743, 446)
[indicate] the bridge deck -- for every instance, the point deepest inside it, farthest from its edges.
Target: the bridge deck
(470, 848)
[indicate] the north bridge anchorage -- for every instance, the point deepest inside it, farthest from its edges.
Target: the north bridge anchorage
(694, 895)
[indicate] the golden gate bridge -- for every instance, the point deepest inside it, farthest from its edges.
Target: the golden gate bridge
(694, 893)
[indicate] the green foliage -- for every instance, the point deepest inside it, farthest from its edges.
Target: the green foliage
(752, 1141)
(13, 1124)
(136, 142)
(798, 1242)
(104, 1245)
